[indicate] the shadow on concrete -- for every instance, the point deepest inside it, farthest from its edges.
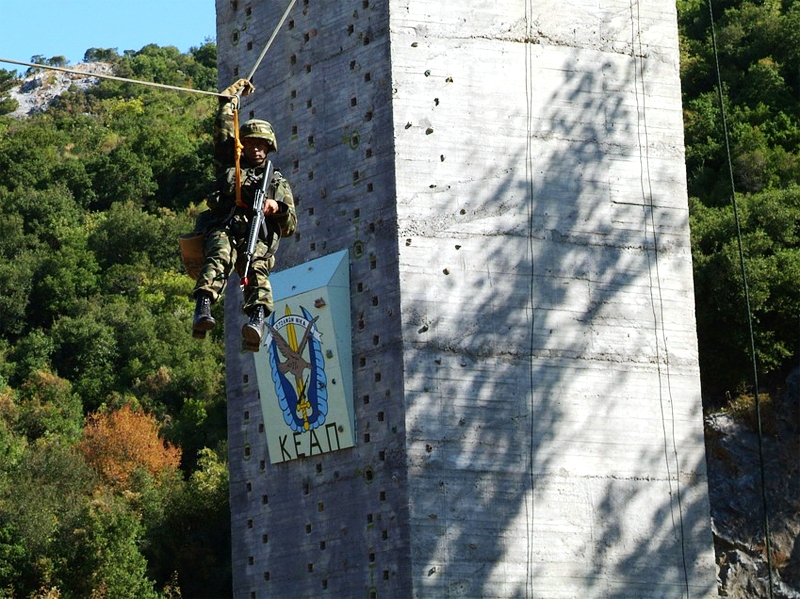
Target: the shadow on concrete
(581, 355)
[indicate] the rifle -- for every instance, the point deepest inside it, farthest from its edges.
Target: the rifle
(258, 220)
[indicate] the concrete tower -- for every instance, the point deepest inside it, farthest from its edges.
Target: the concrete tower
(507, 179)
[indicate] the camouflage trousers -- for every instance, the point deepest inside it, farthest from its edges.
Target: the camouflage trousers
(225, 252)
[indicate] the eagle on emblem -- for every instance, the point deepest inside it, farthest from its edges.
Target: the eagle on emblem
(304, 404)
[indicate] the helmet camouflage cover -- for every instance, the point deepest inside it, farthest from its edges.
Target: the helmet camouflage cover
(259, 129)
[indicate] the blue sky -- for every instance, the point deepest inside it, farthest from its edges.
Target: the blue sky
(70, 27)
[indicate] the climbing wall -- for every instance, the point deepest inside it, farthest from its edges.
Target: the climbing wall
(334, 525)
(508, 179)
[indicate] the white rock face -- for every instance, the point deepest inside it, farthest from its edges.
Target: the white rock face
(39, 90)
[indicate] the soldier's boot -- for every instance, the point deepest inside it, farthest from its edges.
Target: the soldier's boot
(253, 331)
(202, 320)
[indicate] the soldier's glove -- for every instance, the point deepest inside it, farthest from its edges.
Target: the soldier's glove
(241, 88)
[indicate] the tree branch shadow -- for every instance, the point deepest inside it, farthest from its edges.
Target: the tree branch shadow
(553, 392)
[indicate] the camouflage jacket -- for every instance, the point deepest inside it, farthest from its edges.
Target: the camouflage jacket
(222, 197)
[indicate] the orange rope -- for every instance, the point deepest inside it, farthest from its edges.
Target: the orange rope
(238, 152)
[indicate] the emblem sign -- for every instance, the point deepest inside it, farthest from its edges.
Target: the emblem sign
(304, 368)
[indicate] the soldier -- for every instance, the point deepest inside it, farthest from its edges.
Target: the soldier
(226, 225)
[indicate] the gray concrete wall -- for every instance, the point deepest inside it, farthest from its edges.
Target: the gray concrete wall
(336, 525)
(508, 177)
(554, 425)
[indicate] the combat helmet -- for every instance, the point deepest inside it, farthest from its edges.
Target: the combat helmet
(260, 129)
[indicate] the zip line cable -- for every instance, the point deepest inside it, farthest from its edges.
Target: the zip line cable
(666, 399)
(747, 304)
(271, 39)
(530, 500)
(162, 85)
(236, 99)
(113, 77)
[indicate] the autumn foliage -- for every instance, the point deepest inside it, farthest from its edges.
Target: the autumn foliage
(119, 442)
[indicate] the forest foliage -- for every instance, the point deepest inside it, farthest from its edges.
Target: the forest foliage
(756, 44)
(113, 477)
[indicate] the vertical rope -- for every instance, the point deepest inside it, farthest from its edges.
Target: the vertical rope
(530, 501)
(743, 266)
(269, 42)
(238, 146)
(657, 301)
(238, 143)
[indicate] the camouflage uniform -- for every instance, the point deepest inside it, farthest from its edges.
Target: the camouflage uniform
(226, 226)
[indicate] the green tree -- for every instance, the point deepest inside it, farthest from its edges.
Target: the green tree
(8, 79)
(103, 557)
(86, 352)
(129, 235)
(101, 55)
(8, 105)
(48, 407)
(28, 153)
(14, 560)
(32, 352)
(121, 176)
(760, 72)
(195, 528)
(16, 282)
(769, 223)
(43, 491)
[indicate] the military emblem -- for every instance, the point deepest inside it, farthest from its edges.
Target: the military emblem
(298, 369)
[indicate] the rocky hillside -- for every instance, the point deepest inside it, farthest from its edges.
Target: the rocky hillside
(734, 460)
(37, 92)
